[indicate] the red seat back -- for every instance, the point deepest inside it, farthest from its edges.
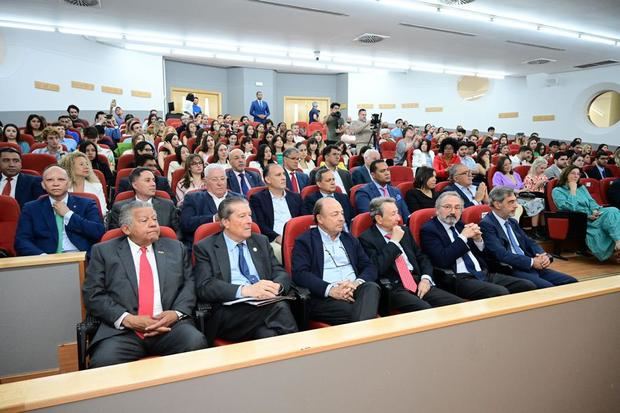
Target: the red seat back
(615, 169)
(353, 162)
(165, 232)
(254, 190)
(418, 219)
(475, 213)
(604, 187)
(400, 174)
(522, 170)
(548, 196)
(167, 161)
(490, 172)
(593, 187)
(28, 138)
(293, 229)
(176, 177)
(354, 190)
(405, 187)
(90, 196)
(125, 161)
(11, 145)
(121, 196)
(360, 224)
(102, 180)
(8, 223)
(441, 186)
(37, 161)
(388, 150)
(308, 190)
(212, 228)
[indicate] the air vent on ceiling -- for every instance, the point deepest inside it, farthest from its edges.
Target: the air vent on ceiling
(538, 46)
(456, 2)
(539, 61)
(300, 8)
(370, 38)
(435, 29)
(84, 3)
(595, 64)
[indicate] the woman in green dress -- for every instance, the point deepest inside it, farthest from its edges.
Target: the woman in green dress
(603, 234)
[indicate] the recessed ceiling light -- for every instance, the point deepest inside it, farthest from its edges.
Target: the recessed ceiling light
(27, 26)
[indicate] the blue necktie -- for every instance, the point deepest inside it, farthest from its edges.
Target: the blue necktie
(244, 186)
(513, 240)
(243, 266)
(469, 264)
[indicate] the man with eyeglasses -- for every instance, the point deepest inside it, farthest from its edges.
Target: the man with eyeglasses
(460, 250)
(335, 268)
(461, 179)
(295, 179)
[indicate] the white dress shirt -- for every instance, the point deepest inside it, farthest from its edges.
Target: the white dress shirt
(336, 264)
(3, 182)
(281, 213)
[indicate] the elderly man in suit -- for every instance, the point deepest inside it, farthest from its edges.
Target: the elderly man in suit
(23, 187)
(509, 244)
(361, 174)
(142, 289)
(274, 206)
(461, 180)
(259, 109)
(392, 249)
(331, 157)
(334, 267)
(234, 264)
(380, 186)
(295, 179)
(240, 180)
(59, 222)
(142, 180)
(326, 182)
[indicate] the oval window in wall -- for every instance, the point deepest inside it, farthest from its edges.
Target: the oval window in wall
(472, 88)
(604, 110)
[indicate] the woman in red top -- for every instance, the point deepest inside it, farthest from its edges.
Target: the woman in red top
(446, 158)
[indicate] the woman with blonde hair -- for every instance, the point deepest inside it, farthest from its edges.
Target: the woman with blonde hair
(535, 182)
(82, 177)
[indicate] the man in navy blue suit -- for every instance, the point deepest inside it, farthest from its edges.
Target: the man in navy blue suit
(509, 244)
(23, 187)
(274, 206)
(240, 180)
(59, 222)
(361, 174)
(326, 182)
(334, 267)
(296, 180)
(259, 109)
(380, 186)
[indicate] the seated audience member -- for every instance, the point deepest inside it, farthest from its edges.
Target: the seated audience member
(603, 231)
(35, 125)
(423, 155)
(241, 180)
(578, 160)
(200, 207)
(326, 182)
(11, 134)
(166, 147)
(465, 156)
(23, 187)
(331, 157)
(522, 157)
(144, 302)
(67, 140)
(460, 248)
(423, 194)
(91, 134)
(91, 151)
(392, 249)
(334, 267)
(206, 146)
(67, 124)
(295, 179)
(181, 153)
(306, 164)
(559, 163)
(149, 162)
(461, 179)
(221, 155)
(59, 222)
(600, 169)
(236, 263)
(613, 193)
(82, 178)
(142, 181)
(193, 178)
(264, 156)
(403, 145)
(446, 158)
(380, 186)
(51, 136)
(273, 207)
(507, 243)
(74, 113)
(361, 175)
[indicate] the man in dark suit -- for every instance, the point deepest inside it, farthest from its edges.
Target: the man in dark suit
(600, 170)
(59, 222)
(380, 186)
(259, 109)
(334, 267)
(141, 288)
(460, 248)
(508, 243)
(147, 161)
(274, 206)
(142, 182)
(326, 182)
(461, 180)
(392, 249)
(236, 264)
(23, 187)
(331, 156)
(296, 180)
(239, 179)
(361, 174)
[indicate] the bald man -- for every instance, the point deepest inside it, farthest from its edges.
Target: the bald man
(58, 222)
(241, 180)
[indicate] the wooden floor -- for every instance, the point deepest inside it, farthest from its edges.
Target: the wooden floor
(585, 268)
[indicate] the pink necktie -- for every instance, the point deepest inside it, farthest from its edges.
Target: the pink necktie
(404, 273)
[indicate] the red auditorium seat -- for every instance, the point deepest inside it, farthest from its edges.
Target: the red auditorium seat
(405, 187)
(563, 225)
(352, 193)
(593, 187)
(388, 150)
(522, 170)
(400, 174)
(475, 213)
(165, 232)
(37, 161)
(441, 186)
(125, 161)
(254, 190)
(121, 196)
(11, 145)
(167, 161)
(102, 180)
(418, 219)
(90, 196)
(604, 187)
(8, 223)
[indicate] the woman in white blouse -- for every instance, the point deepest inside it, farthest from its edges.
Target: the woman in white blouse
(423, 156)
(82, 178)
(193, 179)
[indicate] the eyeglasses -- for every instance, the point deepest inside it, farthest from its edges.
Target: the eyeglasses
(465, 173)
(451, 207)
(343, 261)
(196, 163)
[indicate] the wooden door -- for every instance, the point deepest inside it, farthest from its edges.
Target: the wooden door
(210, 102)
(296, 108)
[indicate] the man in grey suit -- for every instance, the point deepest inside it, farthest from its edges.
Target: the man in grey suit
(142, 180)
(141, 288)
(235, 264)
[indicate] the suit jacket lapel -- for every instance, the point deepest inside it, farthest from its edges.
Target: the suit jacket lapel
(223, 258)
(501, 231)
(317, 246)
(162, 265)
(257, 259)
(124, 253)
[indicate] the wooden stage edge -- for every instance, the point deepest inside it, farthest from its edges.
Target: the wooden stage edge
(71, 387)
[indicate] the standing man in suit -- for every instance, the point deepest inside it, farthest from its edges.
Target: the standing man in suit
(295, 179)
(461, 179)
(142, 180)
(239, 179)
(380, 186)
(460, 248)
(60, 222)
(23, 187)
(331, 157)
(600, 169)
(509, 244)
(392, 249)
(326, 182)
(259, 109)
(141, 288)
(334, 267)
(361, 174)
(237, 264)
(274, 206)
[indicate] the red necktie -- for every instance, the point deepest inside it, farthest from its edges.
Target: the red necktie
(404, 273)
(145, 287)
(294, 183)
(7, 188)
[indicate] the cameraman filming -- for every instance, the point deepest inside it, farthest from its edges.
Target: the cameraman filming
(361, 128)
(334, 123)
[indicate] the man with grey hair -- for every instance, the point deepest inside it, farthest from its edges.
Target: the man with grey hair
(394, 252)
(240, 180)
(508, 243)
(326, 182)
(314, 114)
(461, 179)
(296, 180)
(361, 174)
(142, 289)
(360, 127)
(234, 264)
(459, 248)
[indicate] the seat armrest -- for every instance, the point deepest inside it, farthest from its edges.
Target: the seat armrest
(301, 306)
(85, 331)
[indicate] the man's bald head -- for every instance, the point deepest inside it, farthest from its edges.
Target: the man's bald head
(236, 158)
